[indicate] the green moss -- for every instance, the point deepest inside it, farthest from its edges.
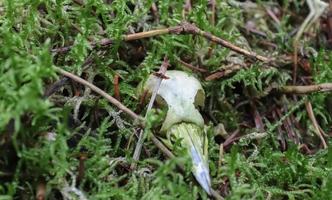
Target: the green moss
(75, 139)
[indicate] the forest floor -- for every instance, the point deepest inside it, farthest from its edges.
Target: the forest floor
(71, 116)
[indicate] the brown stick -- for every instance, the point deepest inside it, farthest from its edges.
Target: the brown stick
(188, 28)
(192, 67)
(102, 93)
(139, 145)
(233, 137)
(183, 28)
(136, 36)
(224, 72)
(231, 46)
(314, 123)
(163, 148)
(293, 89)
(273, 16)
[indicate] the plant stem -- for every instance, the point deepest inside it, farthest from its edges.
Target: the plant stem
(315, 123)
(147, 34)
(142, 136)
(306, 89)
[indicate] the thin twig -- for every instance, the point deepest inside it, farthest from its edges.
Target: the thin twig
(147, 34)
(225, 71)
(139, 145)
(106, 41)
(58, 84)
(102, 93)
(188, 28)
(183, 28)
(192, 67)
(314, 123)
(293, 89)
(163, 148)
(55, 86)
(232, 138)
(273, 16)
(231, 46)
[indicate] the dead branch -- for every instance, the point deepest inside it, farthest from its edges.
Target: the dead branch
(139, 145)
(183, 28)
(315, 123)
(306, 89)
(224, 72)
(102, 93)
(192, 67)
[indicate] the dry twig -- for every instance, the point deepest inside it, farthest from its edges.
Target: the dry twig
(192, 67)
(139, 145)
(306, 89)
(102, 93)
(183, 28)
(314, 123)
(224, 72)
